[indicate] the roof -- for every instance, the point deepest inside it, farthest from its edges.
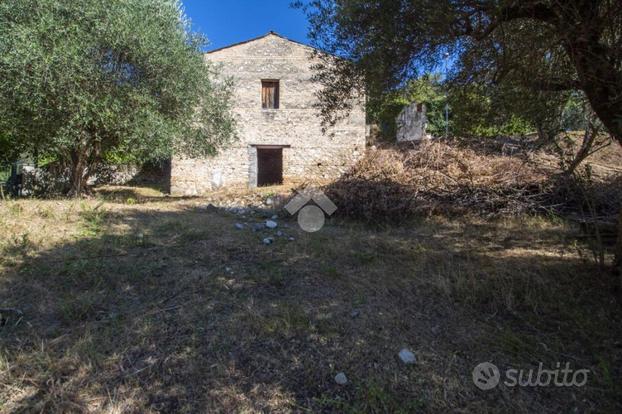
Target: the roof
(261, 37)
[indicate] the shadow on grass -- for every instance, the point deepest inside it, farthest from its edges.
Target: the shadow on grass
(168, 311)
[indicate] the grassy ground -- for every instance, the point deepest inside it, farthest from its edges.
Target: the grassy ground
(159, 305)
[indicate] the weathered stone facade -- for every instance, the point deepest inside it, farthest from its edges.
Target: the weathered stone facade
(295, 125)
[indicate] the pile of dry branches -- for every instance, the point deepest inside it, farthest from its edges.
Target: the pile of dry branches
(391, 184)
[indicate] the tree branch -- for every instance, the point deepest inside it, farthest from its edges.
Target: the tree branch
(519, 10)
(555, 85)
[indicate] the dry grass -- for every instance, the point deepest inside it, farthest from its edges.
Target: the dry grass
(159, 305)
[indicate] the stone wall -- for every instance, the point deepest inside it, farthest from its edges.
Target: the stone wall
(308, 153)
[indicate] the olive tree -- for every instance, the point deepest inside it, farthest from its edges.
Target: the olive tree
(543, 45)
(84, 80)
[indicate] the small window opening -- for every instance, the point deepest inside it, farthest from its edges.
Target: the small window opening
(270, 94)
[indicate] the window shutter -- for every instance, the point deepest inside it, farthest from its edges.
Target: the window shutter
(269, 94)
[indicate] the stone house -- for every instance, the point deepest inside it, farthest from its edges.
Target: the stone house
(279, 131)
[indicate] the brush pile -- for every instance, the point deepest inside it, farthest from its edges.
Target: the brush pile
(436, 177)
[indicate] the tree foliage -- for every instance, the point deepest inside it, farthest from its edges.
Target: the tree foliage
(542, 46)
(505, 109)
(427, 90)
(476, 110)
(85, 80)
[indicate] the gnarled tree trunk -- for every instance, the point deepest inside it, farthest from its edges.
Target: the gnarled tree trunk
(82, 158)
(601, 81)
(78, 172)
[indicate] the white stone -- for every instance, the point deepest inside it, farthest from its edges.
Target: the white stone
(268, 240)
(239, 226)
(407, 356)
(271, 224)
(217, 179)
(341, 378)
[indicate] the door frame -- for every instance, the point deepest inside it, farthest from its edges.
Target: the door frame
(254, 160)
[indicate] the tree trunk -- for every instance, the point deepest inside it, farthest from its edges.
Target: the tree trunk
(617, 262)
(589, 139)
(601, 81)
(78, 178)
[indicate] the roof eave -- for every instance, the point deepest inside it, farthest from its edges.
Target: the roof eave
(265, 35)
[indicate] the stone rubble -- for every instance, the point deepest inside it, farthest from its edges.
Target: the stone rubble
(407, 356)
(341, 378)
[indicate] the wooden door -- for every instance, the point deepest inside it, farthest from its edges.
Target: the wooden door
(269, 166)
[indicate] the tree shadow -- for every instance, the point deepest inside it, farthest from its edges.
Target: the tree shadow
(175, 309)
(155, 175)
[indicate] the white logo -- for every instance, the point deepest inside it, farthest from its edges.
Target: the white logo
(310, 217)
(486, 376)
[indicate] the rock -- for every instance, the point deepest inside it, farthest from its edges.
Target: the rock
(239, 226)
(271, 224)
(407, 356)
(290, 238)
(274, 217)
(279, 233)
(341, 378)
(269, 201)
(355, 313)
(268, 240)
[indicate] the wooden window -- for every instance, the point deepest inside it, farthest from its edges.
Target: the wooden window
(270, 94)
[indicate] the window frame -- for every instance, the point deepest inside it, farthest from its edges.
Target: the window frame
(265, 85)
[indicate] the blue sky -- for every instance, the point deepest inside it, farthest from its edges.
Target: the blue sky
(229, 21)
